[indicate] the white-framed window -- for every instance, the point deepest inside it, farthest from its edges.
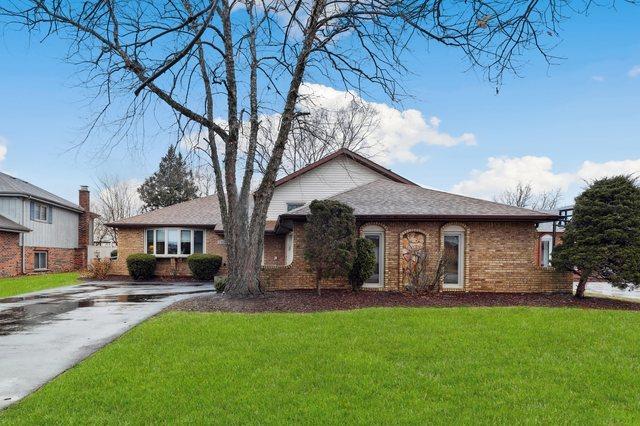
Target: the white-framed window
(292, 205)
(174, 242)
(40, 260)
(376, 235)
(288, 248)
(546, 249)
(40, 212)
(454, 257)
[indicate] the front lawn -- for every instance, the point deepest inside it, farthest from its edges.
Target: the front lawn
(380, 366)
(28, 283)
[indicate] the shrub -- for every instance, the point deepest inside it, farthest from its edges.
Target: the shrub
(364, 263)
(141, 266)
(204, 266)
(220, 283)
(99, 269)
(114, 254)
(330, 233)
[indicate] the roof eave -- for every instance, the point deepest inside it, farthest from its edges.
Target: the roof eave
(168, 225)
(76, 209)
(474, 218)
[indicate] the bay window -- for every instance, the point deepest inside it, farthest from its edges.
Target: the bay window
(174, 242)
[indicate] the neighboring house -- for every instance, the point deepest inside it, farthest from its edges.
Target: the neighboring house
(40, 231)
(493, 247)
(550, 234)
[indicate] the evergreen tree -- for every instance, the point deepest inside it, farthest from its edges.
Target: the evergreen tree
(602, 240)
(173, 183)
(330, 234)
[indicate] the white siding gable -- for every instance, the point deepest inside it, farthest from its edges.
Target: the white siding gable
(331, 178)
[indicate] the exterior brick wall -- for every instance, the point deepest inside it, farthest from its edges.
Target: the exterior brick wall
(499, 257)
(274, 246)
(10, 254)
(58, 259)
(131, 240)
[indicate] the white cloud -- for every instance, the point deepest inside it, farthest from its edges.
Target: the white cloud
(634, 72)
(598, 78)
(506, 172)
(591, 170)
(398, 131)
(3, 148)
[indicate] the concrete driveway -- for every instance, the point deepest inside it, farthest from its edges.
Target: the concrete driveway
(43, 334)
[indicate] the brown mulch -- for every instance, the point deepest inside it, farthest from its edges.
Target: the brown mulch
(330, 300)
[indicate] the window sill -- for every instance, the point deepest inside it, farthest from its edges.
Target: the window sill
(369, 285)
(42, 270)
(453, 286)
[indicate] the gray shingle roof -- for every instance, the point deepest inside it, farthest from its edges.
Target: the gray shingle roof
(204, 212)
(384, 198)
(10, 185)
(7, 224)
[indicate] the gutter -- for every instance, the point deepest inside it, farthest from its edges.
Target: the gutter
(41, 200)
(412, 218)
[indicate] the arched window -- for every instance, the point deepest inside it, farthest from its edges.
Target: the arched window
(546, 248)
(453, 252)
(375, 234)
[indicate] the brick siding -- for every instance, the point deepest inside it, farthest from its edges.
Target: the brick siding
(10, 254)
(131, 240)
(499, 257)
(58, 259)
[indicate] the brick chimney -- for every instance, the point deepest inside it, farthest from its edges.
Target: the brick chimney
(85, 225)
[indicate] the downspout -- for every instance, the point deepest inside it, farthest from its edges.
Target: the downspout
(24, 254)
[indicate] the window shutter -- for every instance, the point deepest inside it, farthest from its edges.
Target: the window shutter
(32, 210)
(50, 214)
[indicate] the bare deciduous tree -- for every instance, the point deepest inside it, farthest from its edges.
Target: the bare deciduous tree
(117, 199)
(320, 131)
(524, 196)
(242, 60)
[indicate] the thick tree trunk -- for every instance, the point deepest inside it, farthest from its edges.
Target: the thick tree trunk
(244, 267)
(582, 285)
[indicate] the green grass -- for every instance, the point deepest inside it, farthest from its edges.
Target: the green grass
(27, 284)
(378, 366)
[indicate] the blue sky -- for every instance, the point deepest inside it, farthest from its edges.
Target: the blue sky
(554, 127)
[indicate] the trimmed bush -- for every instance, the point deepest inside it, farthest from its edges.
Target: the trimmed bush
(141, 266)
(204, 266)
(363, 264)
(114, 254)
(220, 284)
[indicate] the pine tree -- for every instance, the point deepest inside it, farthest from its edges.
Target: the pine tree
(173, 183)
(602, 240)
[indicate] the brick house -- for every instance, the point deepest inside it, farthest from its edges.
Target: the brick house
(491, 247)
(41, 232)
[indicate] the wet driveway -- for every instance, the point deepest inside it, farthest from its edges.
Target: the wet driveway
(42, 334)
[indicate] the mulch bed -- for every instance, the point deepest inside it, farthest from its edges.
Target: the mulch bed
(331, 300)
